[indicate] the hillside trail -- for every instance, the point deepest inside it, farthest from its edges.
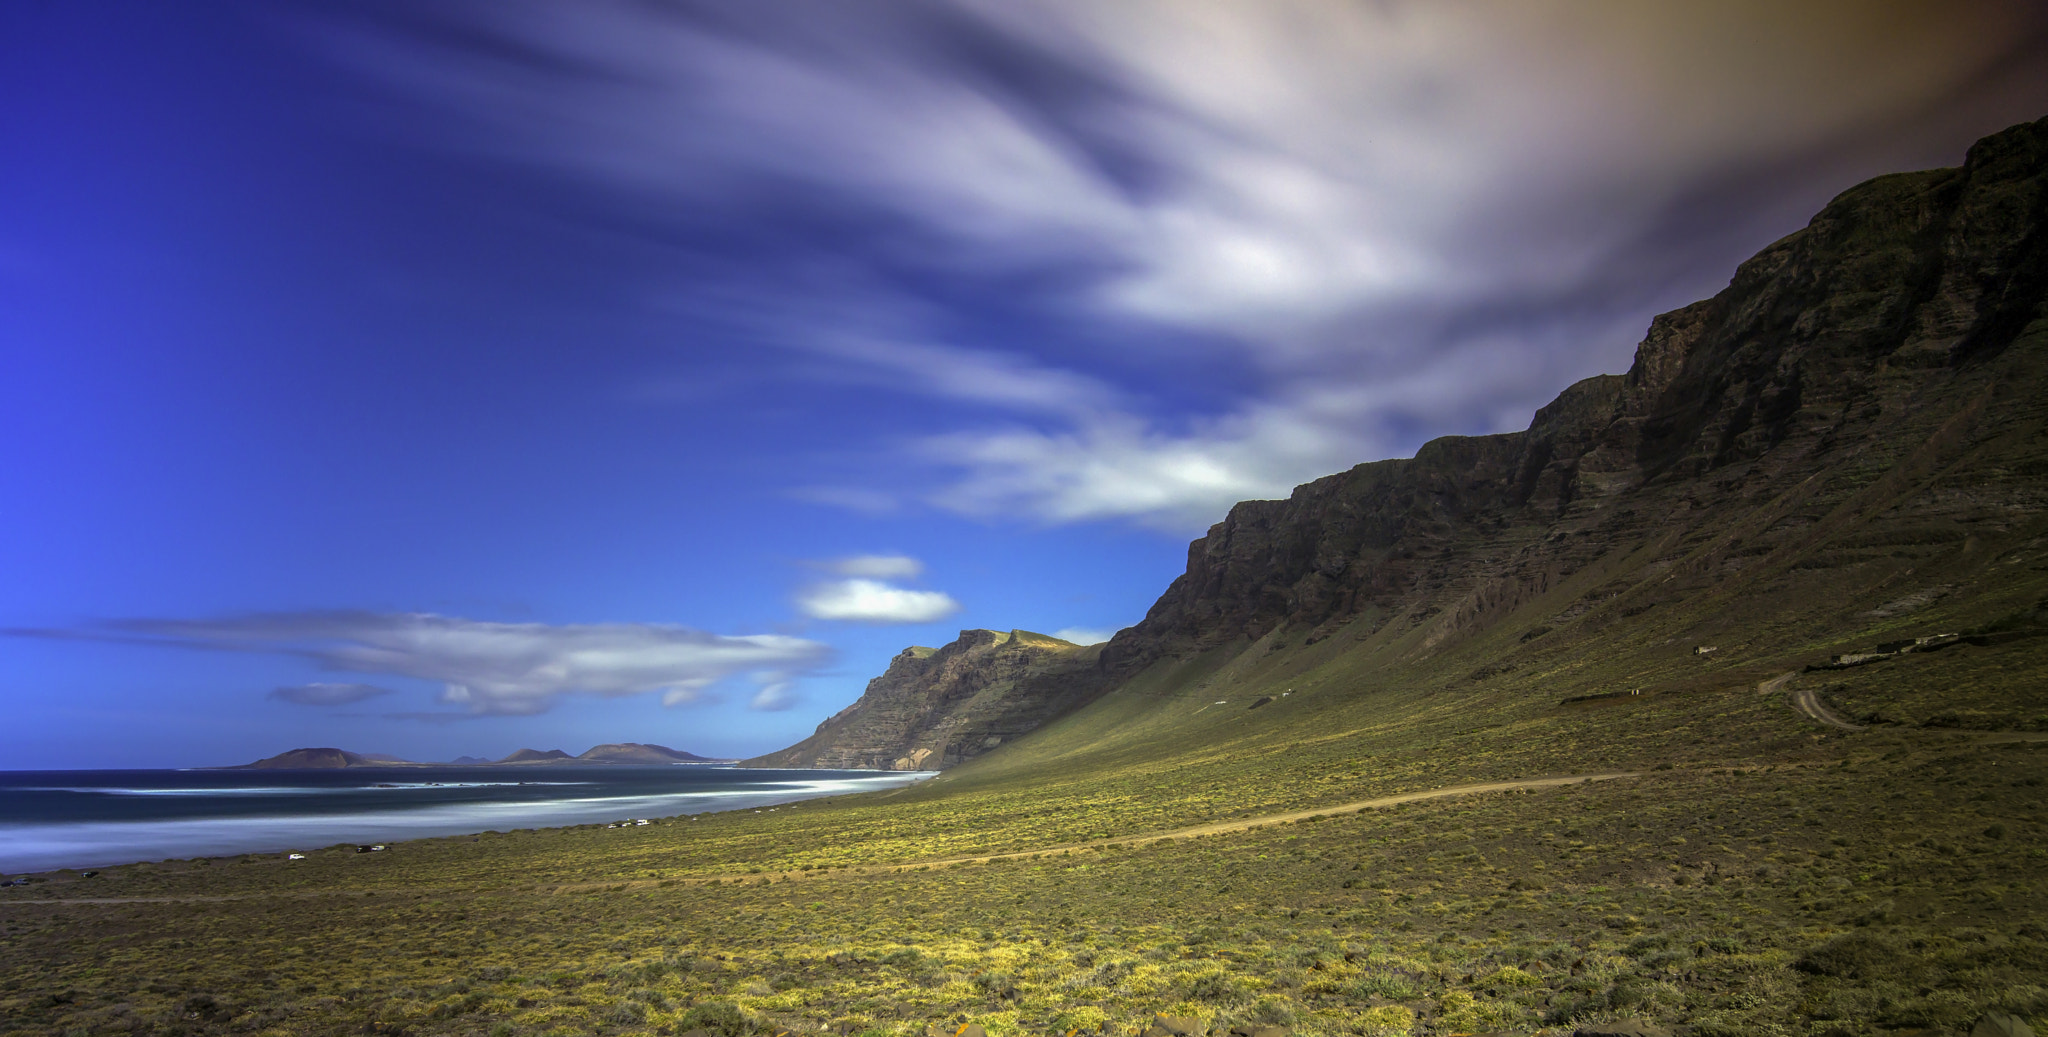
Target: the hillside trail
(1194, 831)
(1245, 823)
(1174, 834)
(1806, 701)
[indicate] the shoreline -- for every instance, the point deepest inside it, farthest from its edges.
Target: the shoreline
(47, 846)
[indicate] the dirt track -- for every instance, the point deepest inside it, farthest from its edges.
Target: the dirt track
(1215, 828)
(1805, 701)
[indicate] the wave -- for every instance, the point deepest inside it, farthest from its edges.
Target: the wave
(41, 846)
(288, 790)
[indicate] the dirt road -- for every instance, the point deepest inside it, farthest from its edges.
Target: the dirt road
(1806, 701)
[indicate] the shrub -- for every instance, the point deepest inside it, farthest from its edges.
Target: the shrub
(1853, 956)
(999, 985)
(1389, 986)
(719, 1017)
(1384, 1021)
(1215, 988)
(1514, 978)
(1271, 1011)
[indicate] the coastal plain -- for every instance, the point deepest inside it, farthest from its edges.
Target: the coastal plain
(1757, 872)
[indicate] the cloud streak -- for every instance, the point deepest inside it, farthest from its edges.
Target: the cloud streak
(1361, 211)
(323, 693)
(503, 669)
(877, 567)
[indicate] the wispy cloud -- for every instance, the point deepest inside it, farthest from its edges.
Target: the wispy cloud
(1389, 199)
(874, 601)
(877, 567)
(323, 693)
(775, 694)
(484, 668)
(1084, 635)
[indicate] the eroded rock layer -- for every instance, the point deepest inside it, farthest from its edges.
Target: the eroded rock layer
(936, 707)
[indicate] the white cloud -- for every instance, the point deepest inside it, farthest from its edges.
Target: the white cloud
(1351, 201)
(878, 567)
(323, 693)
(1084, 635)
(874, 601)
(493, 668)
(1121, 468)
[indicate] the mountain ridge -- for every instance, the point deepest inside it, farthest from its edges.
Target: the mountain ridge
(1855, 419)
(1814, 350)
(328, 758)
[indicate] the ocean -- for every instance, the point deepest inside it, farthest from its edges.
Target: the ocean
(92, 819)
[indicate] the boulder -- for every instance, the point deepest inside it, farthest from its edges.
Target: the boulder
(955, 1030)
(1262, 700)
(2001, 1024)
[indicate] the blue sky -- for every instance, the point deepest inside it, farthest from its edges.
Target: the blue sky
(441, 379)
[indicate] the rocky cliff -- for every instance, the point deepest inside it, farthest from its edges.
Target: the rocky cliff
(936, 707)
(1864, 394)
(1851, 430)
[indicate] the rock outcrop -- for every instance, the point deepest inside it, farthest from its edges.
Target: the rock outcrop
(935, 707)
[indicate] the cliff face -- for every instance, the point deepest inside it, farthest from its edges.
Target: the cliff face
(936, 707)
(1787, 429)
(1852, 429)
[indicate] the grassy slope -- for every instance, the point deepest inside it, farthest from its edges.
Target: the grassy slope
(1901, 864)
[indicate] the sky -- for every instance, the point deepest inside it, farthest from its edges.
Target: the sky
(441, 379)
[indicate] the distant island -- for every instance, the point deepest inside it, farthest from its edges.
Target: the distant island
(611, 753)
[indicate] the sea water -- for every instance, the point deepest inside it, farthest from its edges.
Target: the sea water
(89, 819)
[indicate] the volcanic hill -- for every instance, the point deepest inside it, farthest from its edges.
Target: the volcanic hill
(935, 707)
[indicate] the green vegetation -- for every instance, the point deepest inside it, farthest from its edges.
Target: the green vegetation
(1757, 873)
